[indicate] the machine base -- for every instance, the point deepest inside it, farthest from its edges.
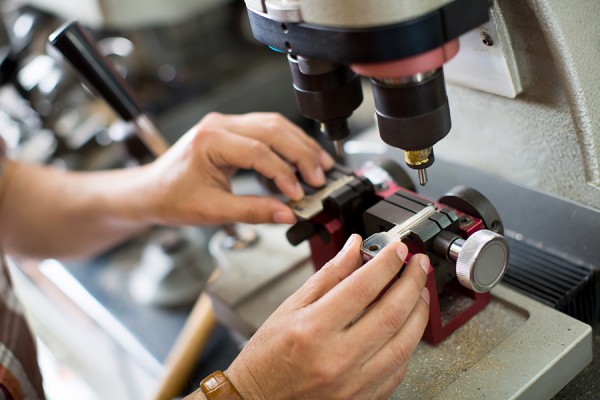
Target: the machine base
(516, 348)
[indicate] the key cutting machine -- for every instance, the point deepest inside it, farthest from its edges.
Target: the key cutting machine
(461, 233)
(521, 92)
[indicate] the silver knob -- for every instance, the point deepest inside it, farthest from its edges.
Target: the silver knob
(480, 260)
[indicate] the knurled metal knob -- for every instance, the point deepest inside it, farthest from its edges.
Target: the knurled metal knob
(481, 260)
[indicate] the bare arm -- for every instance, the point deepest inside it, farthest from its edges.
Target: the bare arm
(46, 212)
(49, 213)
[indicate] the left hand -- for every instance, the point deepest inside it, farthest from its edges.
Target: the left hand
(314, 346)
(190, 183)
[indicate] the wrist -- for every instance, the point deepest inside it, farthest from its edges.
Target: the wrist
(244, 382)
(197, 395)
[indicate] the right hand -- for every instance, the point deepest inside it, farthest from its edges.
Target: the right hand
(191, 183)
(311, 347)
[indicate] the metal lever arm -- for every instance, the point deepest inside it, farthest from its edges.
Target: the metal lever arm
(78, 46)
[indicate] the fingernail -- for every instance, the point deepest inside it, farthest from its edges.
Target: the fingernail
(402, 251)
(425, 295)
(292, 190)
(284, 217)
(348, 243)
(424, 261)
(319, 176)
(326, 160)
(299, 191)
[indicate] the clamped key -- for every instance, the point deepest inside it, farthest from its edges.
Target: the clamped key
(376, 242)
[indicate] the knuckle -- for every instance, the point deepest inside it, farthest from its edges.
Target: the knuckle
(277, 117)
(401, 352)
(391, 318)
(289, 173)
(320, 278)
(301, 336)
(212, 117)
(363, 290)
(301, 331)
(252, 214)
(327, 372)
(204, 133)
(306, 157)
(273, 121)
(388, 268)
(328, 265)
(260, 150)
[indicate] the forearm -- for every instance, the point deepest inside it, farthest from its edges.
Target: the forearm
(45, 212)
(196, 395)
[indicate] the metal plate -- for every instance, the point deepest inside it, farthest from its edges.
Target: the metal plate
(312, 204)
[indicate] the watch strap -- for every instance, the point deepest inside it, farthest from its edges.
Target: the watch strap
(217, 386)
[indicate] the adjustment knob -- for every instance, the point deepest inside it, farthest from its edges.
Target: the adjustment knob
(480, 260)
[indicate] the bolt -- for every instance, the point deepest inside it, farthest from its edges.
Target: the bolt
(465, 220)
(486, 39)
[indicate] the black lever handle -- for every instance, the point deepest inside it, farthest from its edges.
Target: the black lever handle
(79, 48)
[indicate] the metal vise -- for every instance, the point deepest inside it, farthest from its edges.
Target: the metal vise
(461, 233)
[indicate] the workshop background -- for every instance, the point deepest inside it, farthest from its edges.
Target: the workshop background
(524, 94)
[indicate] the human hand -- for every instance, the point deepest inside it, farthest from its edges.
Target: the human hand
(311, 347)
(190, 183)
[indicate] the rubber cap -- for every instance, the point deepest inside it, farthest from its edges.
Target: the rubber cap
(482, 261)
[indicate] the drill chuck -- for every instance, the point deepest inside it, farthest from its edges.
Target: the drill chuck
(412, 114)
(326, 93)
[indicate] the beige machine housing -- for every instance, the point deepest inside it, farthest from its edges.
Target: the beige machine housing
(548, 136)
(350, 13)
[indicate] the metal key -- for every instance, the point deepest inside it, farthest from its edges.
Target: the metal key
(376, 242)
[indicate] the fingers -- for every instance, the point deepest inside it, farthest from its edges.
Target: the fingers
(287, 140)
(362, 287)
(231, 150)
(390, 313)
(387, 388)
(335, 271)
(248, 209)
(398, 350)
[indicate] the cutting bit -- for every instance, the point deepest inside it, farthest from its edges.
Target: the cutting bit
(423, 176)
(339, 148)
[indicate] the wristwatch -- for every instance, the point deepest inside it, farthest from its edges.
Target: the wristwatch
(217, 386)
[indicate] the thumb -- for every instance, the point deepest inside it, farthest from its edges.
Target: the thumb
(255, 210)
(348, 260)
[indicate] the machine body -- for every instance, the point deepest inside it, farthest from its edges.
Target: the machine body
(464, 241)
(401, 47)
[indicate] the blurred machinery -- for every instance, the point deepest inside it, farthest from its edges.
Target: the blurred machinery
(160, 55)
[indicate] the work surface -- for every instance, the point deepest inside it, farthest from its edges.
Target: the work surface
(514, 348)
